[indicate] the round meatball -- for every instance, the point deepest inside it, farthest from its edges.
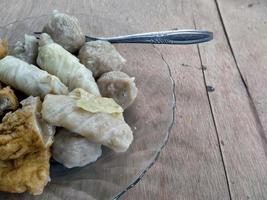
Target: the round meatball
(73, 150)
(119, 86)
(66, 31)
(100, 57)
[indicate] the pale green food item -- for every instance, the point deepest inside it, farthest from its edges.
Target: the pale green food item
(57, 61)
(105, 127)
(28, 78)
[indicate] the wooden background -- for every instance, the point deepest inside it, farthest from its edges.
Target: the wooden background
(218, 146)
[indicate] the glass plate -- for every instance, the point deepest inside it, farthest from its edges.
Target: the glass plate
(150, 117)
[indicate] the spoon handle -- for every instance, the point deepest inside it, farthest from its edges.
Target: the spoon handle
(163, 37)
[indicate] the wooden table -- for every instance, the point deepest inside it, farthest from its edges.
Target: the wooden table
(218, 145)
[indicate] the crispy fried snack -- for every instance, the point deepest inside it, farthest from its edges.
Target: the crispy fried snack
(24, 149)
(3, 48)
(23, 131)
(8, 100)
(54, 59)
(27, 173)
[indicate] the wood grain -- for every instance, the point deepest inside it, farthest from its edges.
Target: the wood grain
(242, 144)
(246, 26)
(191, 165)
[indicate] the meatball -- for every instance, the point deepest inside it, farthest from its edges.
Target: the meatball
(73, 150)
(119, 86)
(100, 57)
(66, 31)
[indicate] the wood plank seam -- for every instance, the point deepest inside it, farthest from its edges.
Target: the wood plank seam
(204, 177)
(212, 115)
(215, 126)
(202, 68)
(252, 104)
(245, 180)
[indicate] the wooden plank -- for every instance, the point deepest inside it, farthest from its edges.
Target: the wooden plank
(240, 132)
(191, 166)
(188, 165)
(246, 27)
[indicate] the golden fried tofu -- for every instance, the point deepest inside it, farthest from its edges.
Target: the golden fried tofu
(24, 131)
(3, 48)
(27, 173)
(8, 100)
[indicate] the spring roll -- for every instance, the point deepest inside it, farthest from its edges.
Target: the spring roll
(28, 78)
(57, 61)
(98, 119)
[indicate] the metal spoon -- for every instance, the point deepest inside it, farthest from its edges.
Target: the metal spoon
(189, 36)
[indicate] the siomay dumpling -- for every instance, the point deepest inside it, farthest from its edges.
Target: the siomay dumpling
(28, 78)
(57, 61)
(73, 150)
(25, 140)
(98, 119)
(118, 86)
(29, 172)
(24, 131)
(100, 57)
(65, 30)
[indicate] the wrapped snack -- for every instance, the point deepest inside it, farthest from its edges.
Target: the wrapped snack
(28, 78)
(29, 172)
(26, 50)
(59, 62)
(98, 119)
(118, 86)
(73, 150)
(8, 100)
(100, 57)
(24, 131)
(66, 31)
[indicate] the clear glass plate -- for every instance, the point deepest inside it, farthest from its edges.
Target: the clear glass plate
(150, 117)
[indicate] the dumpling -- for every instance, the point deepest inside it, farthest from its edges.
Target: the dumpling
(100, 57)
(118, 86)
(24, 131)
(29, 172)
(25, 140)
(65, 30)
(26, 50)
(71, 112)
(28, 78)
(73, 150)
(59, 62)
